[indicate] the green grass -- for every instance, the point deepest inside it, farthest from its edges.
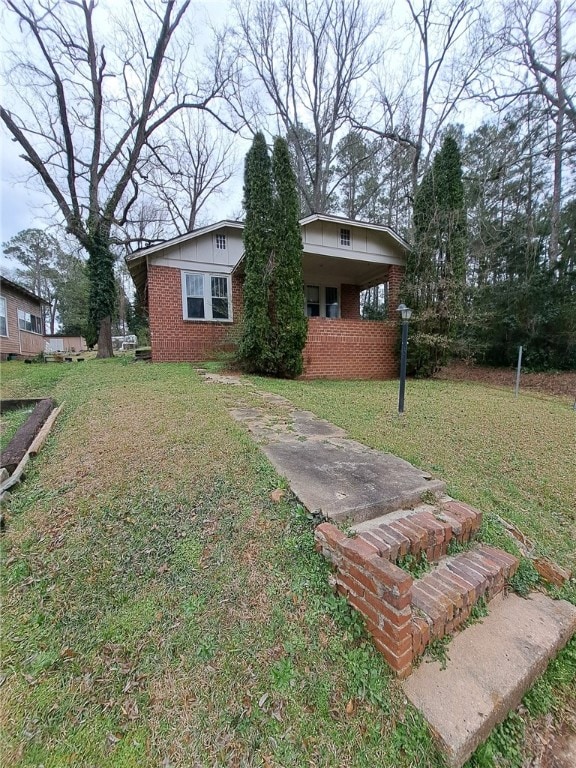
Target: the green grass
(510, 457)
(160, 609)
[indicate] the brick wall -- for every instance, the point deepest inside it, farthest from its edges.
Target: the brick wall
(350, 302)
(175, 339)
(350, 349)
(343, 348)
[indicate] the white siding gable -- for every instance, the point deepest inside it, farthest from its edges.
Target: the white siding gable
(201, 253)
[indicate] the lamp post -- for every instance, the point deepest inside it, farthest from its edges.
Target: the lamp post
(405, 314)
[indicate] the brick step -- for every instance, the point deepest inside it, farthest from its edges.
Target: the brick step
(403, 614)
(443, 599)
(425, 530)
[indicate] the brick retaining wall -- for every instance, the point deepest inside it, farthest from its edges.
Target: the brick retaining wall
(350, 349)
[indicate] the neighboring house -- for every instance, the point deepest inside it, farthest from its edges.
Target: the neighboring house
(192, 286)
(58, 342)
(21, 321)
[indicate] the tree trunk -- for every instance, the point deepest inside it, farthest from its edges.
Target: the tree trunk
(105, 338)
(102, 287)
(554, 250)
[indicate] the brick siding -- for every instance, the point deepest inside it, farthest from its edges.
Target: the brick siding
(350, 302)
(175, 339)
(343, 348)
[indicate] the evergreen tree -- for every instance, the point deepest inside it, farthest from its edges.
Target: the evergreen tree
(289, 322)
(516, 294)
(38, 255)
(436, 268)
(74, 297)
(255, 348)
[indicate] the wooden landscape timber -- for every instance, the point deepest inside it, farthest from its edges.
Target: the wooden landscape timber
(32, 450)
(18, 447)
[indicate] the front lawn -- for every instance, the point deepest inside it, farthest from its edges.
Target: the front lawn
(507, 456)
(159, 609)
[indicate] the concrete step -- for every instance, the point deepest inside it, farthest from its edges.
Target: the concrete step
(490, 667)
(443, 599)
(425, 530)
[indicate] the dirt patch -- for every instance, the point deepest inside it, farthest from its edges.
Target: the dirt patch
(552, 744)
(562, 384)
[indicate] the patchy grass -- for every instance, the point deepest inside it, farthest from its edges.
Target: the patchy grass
(510, 457)
(160, 609)
(10, 423)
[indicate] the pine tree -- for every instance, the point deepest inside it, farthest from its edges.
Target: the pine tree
(255, 351)
(436, 268)
(289, 322)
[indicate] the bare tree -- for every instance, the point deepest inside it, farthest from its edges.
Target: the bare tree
(88, 88)
(445, 47)
(539, 66)
(307, 64)
(188, 165)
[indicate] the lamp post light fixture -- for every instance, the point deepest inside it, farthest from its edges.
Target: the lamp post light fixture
(405, 314)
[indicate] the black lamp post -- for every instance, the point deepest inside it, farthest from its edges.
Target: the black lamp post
(406, 314)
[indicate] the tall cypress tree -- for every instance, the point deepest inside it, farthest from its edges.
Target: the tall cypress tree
(436, 268)
(255, 348)
(289, 322)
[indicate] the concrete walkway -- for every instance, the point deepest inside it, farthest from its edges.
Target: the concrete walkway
(491, 665)
(332, 475)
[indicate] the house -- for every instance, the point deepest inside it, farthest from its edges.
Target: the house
(192, 286)
(21, 321)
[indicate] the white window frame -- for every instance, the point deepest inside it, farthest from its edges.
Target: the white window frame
(23, 318)
(207, 296)
(348, 236)
(322, 287)
(220, 241)
(4, 314)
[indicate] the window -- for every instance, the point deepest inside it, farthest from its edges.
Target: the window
(29, 322)
(345, 237)
(219, 289)
(313, 300)
(195, 296)
(221, 242)
(206, 297)
(322, 301)
(3, 317)
(331, 302)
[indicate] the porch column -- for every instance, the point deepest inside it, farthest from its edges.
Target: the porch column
(395, 278)
(349, 302)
